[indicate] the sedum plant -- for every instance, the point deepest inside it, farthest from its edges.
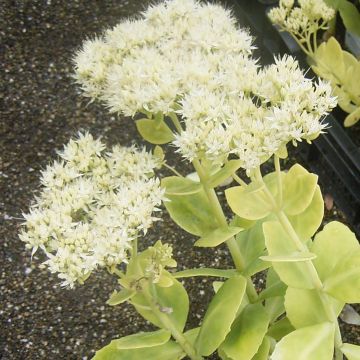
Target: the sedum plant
(328, 60)
(186, 71)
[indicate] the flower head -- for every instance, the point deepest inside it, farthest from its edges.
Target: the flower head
(92, 205)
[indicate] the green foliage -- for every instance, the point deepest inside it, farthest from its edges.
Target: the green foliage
(342, 69)
(175, 185)
(154, 131)
(248, 202)
(247, 333)
(307, 222)
(172, 300)
(192, 213)
(118, 297)
(349, 14)
(351, 351)
(278, 243)
(299, 189)
(168, 351)
(218, 236)
(220, 315)
(309, 343)
(280, 329)
(224, 173)
(344, 281)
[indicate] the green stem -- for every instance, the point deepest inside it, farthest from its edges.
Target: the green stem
(172, 169)
(221, 219)
(238, 180)
(279, 180)
(176, 122)
(165, 320)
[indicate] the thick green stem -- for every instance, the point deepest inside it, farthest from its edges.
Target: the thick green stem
(221, 219)
(165, 320)
(279, 180)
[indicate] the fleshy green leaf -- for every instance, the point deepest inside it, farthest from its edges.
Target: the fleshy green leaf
(306, 223)
(247, 333)
(217, 236)
(275, 307)
(220, 315)
(344, 281)
(278, 243)
(293, 257)
(280, 329)
(352, 118)
(251, 243)
(263, 351)
(168, 351)
(224, 173)
(299, 189)
(205, 272)
(174, 300)
(248, 202)
(142, 340)
(350, 16)
(351, 351)
(192, 213)
(331, 245)
(155, 132)
(118, 297)
(276, 289)
(309, 343)
(176, 185)
(304, 307)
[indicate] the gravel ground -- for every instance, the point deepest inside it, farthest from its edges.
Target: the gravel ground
(41, 110)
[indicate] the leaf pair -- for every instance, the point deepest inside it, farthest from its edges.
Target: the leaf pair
(189, 207)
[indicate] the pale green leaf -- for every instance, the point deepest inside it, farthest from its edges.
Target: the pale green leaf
(299, 189)
(293, 257)
(280, 329)
(155, 132)
(278, 243)
(248, 202)
(118, 297)
(192, 213)
(304, 307)
(205, 272)
(142, 340)
(220, 315)
(217, 285)
(309, 343)
(276, 289)
(352, 118)
(159, 153)
(168, 351)
(350, 16)
(263, 351)
(247, 333)
(275, 307)
(217, 236)
(351, 351)
(224, 173)
(331, 245)
(174, 298)
(306, 223)
(344, 281)
(176, 185)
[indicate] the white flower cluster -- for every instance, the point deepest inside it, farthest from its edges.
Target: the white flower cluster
(283, 106)
(309, 16)
(149, 63)
(92, 205)
(190, 58)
